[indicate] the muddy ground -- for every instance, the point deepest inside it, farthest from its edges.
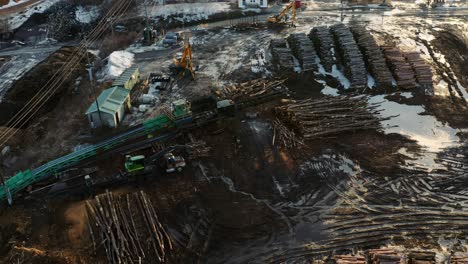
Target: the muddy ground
(255, 202)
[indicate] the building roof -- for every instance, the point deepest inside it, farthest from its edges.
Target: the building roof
(125, 76)
(110, 100)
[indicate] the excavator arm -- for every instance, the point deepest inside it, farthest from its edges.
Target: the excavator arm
(282, 15)
(185, 62)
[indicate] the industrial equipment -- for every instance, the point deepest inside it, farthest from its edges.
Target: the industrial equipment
(283, 17)
(134, 163)
(183, 62)
(173, 163)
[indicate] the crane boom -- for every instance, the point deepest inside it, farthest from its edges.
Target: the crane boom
(282, 16)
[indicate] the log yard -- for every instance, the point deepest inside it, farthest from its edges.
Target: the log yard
(234, 131)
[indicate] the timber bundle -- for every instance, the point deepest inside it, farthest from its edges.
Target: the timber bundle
(255, 91)
(421, 69)
(351, 56)
(198, 149)
(128, 228)
(286, 137)
(323, 41)
(304, 51)
(402, 70)
(347, 259)
(422, 257)
(385, 255)
(282, 55)
(320, 118)
(373, 56)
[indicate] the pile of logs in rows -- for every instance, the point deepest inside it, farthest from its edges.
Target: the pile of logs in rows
(321, 118)
(349, 259)
(323, 42)
(284, 136)
(421, 257)
(304, 51)
(422, 70)
(385, 255)
(459, 260)
(254, 92)
(373, 55)
(402, 70)
(199, 149)
(281, 55)
(128, 228)
(351, 56)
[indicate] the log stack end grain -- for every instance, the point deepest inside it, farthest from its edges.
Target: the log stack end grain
(350, 259)
(323, 42)
(385, 255)
(402, 70)
(351, 56)
(422, 71)
(304, 51)
(282, 55)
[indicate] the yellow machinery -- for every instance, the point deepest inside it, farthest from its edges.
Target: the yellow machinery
(282, 17)
(184, 62)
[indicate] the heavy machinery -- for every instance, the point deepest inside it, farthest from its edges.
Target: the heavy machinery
(183, 63)
(178, 116)
(173, 163)
(283, 17)
(134, 163)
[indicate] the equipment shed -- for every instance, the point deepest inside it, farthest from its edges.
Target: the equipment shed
(128, 78)
(113, 103)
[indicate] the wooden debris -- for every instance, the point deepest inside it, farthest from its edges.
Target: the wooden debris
(350, 56)
(422, 71)
(323, 42)
(255, 91)
(328, 116)
(373, 56)
(385, 255)
(401, 69)
(128, 228)
(199, 149)
(421, 257)
(284, 136)
(282, 55)
(304, 51)
(349, 259)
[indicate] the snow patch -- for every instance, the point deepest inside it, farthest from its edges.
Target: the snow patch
(86, 15)
(189, 11)
(15, 20)
(13, 3)
(117, 63)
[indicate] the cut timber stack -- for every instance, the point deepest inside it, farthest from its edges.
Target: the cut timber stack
(422, 70)
(323, 42)
(349, 259)
(421, 257)
(281, 55)
(254, 92)
(328, 116)
(304, 51)
(459, 260)
(127, 228)
(373, 56)
(351, 56)
(402, 70)
(385, 255)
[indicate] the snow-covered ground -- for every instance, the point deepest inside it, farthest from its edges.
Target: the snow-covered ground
(86, 15)
(118, 61)
(14, 70)
(187, 11)
(15, 20)
(13, 3)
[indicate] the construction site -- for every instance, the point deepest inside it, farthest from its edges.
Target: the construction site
(233, 132)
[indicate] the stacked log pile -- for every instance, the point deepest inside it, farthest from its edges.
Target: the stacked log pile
(321, 118)
(349, 259)
(385, 255)
(282, 55)
(421, 257)
(304, 51)
(402, 70)
(255, 91)
(323, 41)
(351, 56)
(128, 228)
(373, 55)
(459, 260)
(199, 149)
(422, 70)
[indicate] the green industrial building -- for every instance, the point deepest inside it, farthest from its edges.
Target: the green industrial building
(113, 103)
(128, 79)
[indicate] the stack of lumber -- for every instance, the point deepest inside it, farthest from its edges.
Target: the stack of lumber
(282, 55)
(128, 228)
(373, 55)
(402, 70)
(351, 56)
(284, 136)
(421, 257)
(304, 51)
(327, 116)
(255, 91)
(323, 42)
(422, 70)
(349, 259)
(385, 255)
(459, 260)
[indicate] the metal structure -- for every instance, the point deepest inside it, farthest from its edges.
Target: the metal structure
(180, 115)
(283, 18)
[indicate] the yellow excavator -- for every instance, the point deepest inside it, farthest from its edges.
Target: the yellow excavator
(183, 63)
(283, 17)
